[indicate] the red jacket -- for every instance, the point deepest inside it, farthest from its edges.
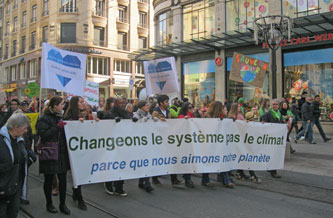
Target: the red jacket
(190, 115)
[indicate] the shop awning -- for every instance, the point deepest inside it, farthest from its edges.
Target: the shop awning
(313, 24)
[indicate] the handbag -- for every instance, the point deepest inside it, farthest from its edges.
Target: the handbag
(47, 150)
(9, 182)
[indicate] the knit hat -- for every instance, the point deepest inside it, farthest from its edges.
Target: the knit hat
(249, 116)
(241, 100)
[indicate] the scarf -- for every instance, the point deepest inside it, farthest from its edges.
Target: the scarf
(55, 113)
(276, 114)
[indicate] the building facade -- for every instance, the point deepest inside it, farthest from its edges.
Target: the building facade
(203, 35)
(106, 30)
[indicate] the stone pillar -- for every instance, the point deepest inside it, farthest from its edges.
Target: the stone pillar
(177, 24)
(179, 74)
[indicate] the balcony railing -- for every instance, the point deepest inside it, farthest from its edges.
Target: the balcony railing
(143, 25)
(122, 47)
(122, 19)
(100, 43)
(23, 25)
(99, 13)
(45, 13)
(68, 9)
(33, 19)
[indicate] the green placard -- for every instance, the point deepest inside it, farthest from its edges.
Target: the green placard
(32, 89)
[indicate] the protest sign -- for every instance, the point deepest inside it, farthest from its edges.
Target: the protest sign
(63, 70)
(248, 70)
(161, 76)
(108, 151)
(91, 93)
(33, 117)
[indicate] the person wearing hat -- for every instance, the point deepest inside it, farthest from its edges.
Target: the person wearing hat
(24, 106)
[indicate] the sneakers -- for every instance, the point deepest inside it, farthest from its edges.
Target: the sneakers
(302, 138)
(256, 179)
(276, 175)
(176, 183)
(189, 184)
(121, 193)
(327, 139)
(108, 188)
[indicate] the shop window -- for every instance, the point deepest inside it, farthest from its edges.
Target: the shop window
(98, 66)
(240, 14)
(251, 94)
(310, 71)
(199, 82)
(33, 68)
(68, 33)
(165, 21)
(122, 66)
(301, 8)
(198, 20)
(23, 74)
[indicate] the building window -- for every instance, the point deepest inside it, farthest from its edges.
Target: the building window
(6, 51)
(45, 8)
(122, 41)
(98, 65)
(24, 1)
(45, 34)
(15, 24)
(165, 21)
(23, 41)
(24, 19)
(68, 33)
(33, 68)
(303, 8)
(8, 7)
(99, 36)
(34, 14)
(15, 4)
(7, 29)
(68, 6)
(198, 20)
(14, 48)
(13, 72)
(142, 42)
(23, 74)
(122, 66)
(7, 74)
(143, 20)
(99, 8)
(33, 41)
(1, 33)
(1, 11)
(139, 68)
(122, 14)
(240, 14)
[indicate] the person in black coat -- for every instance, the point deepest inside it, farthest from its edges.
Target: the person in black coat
(3, 114)
(316, 113)
(13, 158)
(308, 121)
(50, 128)
(273, 116)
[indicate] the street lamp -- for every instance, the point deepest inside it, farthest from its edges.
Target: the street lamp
(272, 30)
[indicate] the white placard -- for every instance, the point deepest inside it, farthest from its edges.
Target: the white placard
(91, 93)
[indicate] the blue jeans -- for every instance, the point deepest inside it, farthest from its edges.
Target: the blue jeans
(226, 178)
(320, 129)
(307, 129)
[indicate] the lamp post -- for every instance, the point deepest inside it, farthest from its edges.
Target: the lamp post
(272, 30)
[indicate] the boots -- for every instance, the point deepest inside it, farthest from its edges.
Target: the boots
(77, 195)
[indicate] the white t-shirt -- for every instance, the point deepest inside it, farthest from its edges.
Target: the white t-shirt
(164, 113)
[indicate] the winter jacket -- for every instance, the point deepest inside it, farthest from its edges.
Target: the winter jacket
(3, 116)
(285, 113)
(49, 131)
(190, 115)
(139, 114)
(268, 118)
(316, 110)
(174, 111)
(294, 110)
(307, 112)
(158, 114)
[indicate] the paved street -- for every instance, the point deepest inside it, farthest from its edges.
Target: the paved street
(305, 190)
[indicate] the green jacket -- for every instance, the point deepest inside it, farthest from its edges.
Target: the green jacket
(174, 110)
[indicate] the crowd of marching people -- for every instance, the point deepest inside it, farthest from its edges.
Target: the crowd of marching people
(19, 148)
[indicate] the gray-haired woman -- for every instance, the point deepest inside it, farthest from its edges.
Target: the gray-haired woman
(13, 157)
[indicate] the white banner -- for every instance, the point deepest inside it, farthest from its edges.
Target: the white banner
(91, 93)
(108, 151)
(63, 70)
(161, 76)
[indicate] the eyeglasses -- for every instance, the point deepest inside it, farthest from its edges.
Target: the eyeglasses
(275, 104)
(190, 107)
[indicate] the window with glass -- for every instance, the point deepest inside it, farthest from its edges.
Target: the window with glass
(122, 66)
(143, 20)
(33, 41)
(7, 74)
(122, 41)
(8, 7)
(99, 36)
(6, 51)
(7, 28)
(15, 4)
(98, 65)
(23, 42)
(68, 33)
(68, 6)
(45, 8)
(142, 42)
(14, 48)
(122, 13)
(199, 82)
(34, 13)
(251, 94)
(301, 8)
(23, 74)
(240, 14)
(99, 8)
(310, 71)
(33, 68)
(45, 34)
(1, 32)
(15, 24)
(13, 73)
(1, 11)
(24, 1)
(24, 19)
(139, 68)
(165, 24)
